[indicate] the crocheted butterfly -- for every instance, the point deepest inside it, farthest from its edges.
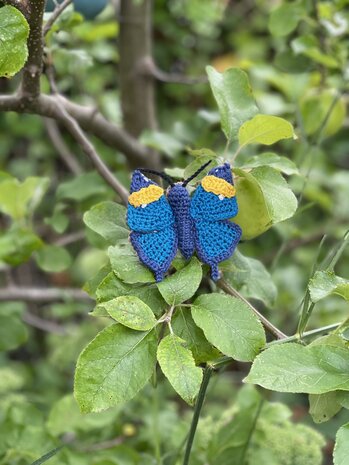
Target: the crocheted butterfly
(160, 224)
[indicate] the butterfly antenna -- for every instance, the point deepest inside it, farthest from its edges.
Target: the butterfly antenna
(196, 173)
(161, 174)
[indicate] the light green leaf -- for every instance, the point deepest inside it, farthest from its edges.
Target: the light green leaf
(14, 33)
(53, 259)
(230, 325)
(177, 363)
(114, 367)
(250, 277)
(108, 219)
(18, 199)
(183, 326)
(319, 103)
(183, 284)
(264, 199)
(130, 311)
(341, 448)
(294, 368)
(234, 98)
(283, 164)
(284, 19)
(326, 283)
(111, 287)
(126, 265)
(309, 46)
(324, 406)
(265, 129)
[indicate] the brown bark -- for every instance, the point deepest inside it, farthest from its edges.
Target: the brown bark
(137, 85)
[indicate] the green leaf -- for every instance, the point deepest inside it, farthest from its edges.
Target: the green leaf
(326, 283)
(230, 325)
(130, 311)
(17, 245)
(264, 199)
(265, 129)
(292, 367)
(183, 326)
(17, 199)
(108, 219)
(196, 164)
(126, 265)
(183, 284)
(234, 98)
(250, 277)
(111, 287)
(115, 355)
(324, 406)
(53, 259)
(341, 448)
(177, 363)
(82, 187)
(14, 33)
(284, 19)
(65, 417)
(13, 333)
(162, 141)
(273, 160)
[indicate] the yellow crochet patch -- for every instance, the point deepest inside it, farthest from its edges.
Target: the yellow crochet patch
(218, 186)
(146, 195)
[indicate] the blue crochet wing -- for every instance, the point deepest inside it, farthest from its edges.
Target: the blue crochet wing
(215, 242)
(150, 218)
(212, 205)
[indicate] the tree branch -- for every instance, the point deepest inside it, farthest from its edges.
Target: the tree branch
(32, 70)
(88, 118)
(152, 69)
(73, 127)
(37, 294)
(55, 14)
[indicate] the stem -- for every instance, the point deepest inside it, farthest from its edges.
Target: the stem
(307, 335)
(196, 415)
(56, 12)
(267, 324)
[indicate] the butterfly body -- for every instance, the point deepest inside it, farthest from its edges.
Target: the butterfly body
(160, 224)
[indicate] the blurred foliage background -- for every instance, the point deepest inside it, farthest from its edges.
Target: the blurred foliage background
(296, 56)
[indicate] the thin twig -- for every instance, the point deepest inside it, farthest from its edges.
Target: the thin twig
(103, 445)
(70, 238)
(44, 325)
(61, 147)
(267, 324)
(38, 294)
(55, 14)
(170, 78)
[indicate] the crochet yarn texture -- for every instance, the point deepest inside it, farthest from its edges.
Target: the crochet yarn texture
(160, 225)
